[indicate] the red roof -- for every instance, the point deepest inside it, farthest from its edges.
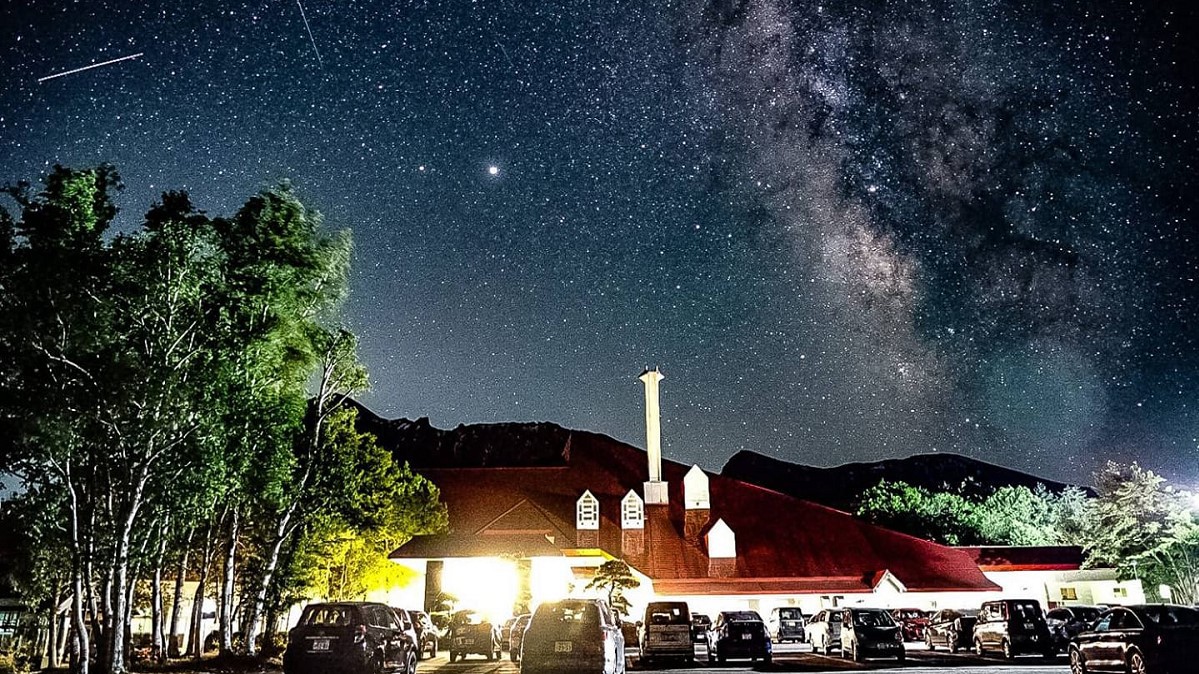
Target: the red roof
(784, 545)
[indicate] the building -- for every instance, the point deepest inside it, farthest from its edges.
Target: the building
(519, 536)
(1053, 575)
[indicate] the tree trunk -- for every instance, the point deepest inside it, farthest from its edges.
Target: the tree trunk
(83, 644)
(52, 628)
(174, 647)
(227, 584)
(157, 617)
(196, 639)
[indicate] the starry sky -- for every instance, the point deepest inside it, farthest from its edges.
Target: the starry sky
(844, 231)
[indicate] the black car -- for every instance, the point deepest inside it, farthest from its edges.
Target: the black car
(426, 633)
(1066, 622)
(1013, 627)
(870, 632)
(738, 634)
(699, 627)
(1140, 639)
(351, 637)
(951, 628)
(470, 632)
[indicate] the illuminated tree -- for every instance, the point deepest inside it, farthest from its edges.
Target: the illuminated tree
(614, 577)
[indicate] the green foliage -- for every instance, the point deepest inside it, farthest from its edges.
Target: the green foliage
(614, 577)
(1144, 527)
(942, 517)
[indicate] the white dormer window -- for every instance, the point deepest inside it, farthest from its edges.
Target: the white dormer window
(632, 511)
(587, 511)
(722, 542)
(695, 489)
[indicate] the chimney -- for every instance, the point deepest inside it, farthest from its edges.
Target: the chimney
(655, 488)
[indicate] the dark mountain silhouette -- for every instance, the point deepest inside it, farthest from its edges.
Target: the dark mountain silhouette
(840, 486)
(467, 446)
(522, 445)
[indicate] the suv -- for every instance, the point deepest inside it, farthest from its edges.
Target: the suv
(573, 635)
(666, 632)
(350, 637)
(1013, 626)
(738, 634)
(1067, 622)
(700, 623)
(786, 624)
(824, 630)
(472, 633)
(870, 631)
(426, 633)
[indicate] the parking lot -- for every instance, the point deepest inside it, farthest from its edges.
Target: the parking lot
(798, 658)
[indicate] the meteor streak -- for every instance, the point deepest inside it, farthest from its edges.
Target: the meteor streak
(94, 65)
(310, 38)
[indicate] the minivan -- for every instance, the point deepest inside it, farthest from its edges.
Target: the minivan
(786, 624)
(1012, 626)
(573, 635)
(666, 632)
(824, 630)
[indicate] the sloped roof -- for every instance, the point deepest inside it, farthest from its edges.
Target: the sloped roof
(784, 544)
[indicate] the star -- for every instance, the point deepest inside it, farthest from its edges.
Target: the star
(493, 170)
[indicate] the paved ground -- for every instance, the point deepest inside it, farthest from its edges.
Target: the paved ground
(798, 658)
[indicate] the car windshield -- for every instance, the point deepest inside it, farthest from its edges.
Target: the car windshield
(327, 616)
(742, 617)
(666, 614)
(872, 619)
(1088, 614)
(700, 619)
(1025, 609)
(908, 614)
(1170, 615)
(564, 613)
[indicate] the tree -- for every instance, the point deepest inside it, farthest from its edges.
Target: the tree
(1145, 528)
(942, 517)
(614, 577)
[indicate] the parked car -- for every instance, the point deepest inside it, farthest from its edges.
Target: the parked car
(824, 630)
(912, 623)
(1066, 622)
(422, 631)
(1141, 639)
(573, 635)
(952, 628)
(738, 634)
(700, 622)
(516, 635)
(506, 631)
(870, 632)
(786, 624)
(349, 637)
(470, 632)
(1012, 626)
(665, 632)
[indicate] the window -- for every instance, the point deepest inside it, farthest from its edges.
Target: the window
(632, 511)
(1069, 594)
(1120, 592)
(587, 511)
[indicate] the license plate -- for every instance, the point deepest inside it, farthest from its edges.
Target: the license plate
(320, 644)
(747, 636)
(468, 642)
(563, 646)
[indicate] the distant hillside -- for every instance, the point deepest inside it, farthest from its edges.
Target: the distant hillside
(473, 446)
(840, 486)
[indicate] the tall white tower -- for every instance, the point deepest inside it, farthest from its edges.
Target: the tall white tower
(655, 488)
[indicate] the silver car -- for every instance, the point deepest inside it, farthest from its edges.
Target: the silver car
(824, 630)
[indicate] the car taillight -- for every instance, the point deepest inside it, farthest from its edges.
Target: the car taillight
(360, 634)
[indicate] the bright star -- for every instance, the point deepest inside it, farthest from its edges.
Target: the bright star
(493, 170)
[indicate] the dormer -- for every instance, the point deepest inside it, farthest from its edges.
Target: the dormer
(695, 490)
(587, 512)
(632, 511)
(722, 542)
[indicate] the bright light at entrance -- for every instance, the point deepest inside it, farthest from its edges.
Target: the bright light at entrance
(487, 585)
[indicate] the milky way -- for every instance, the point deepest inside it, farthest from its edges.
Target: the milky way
(844, 232)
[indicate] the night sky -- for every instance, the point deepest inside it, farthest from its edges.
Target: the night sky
(844, 232)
